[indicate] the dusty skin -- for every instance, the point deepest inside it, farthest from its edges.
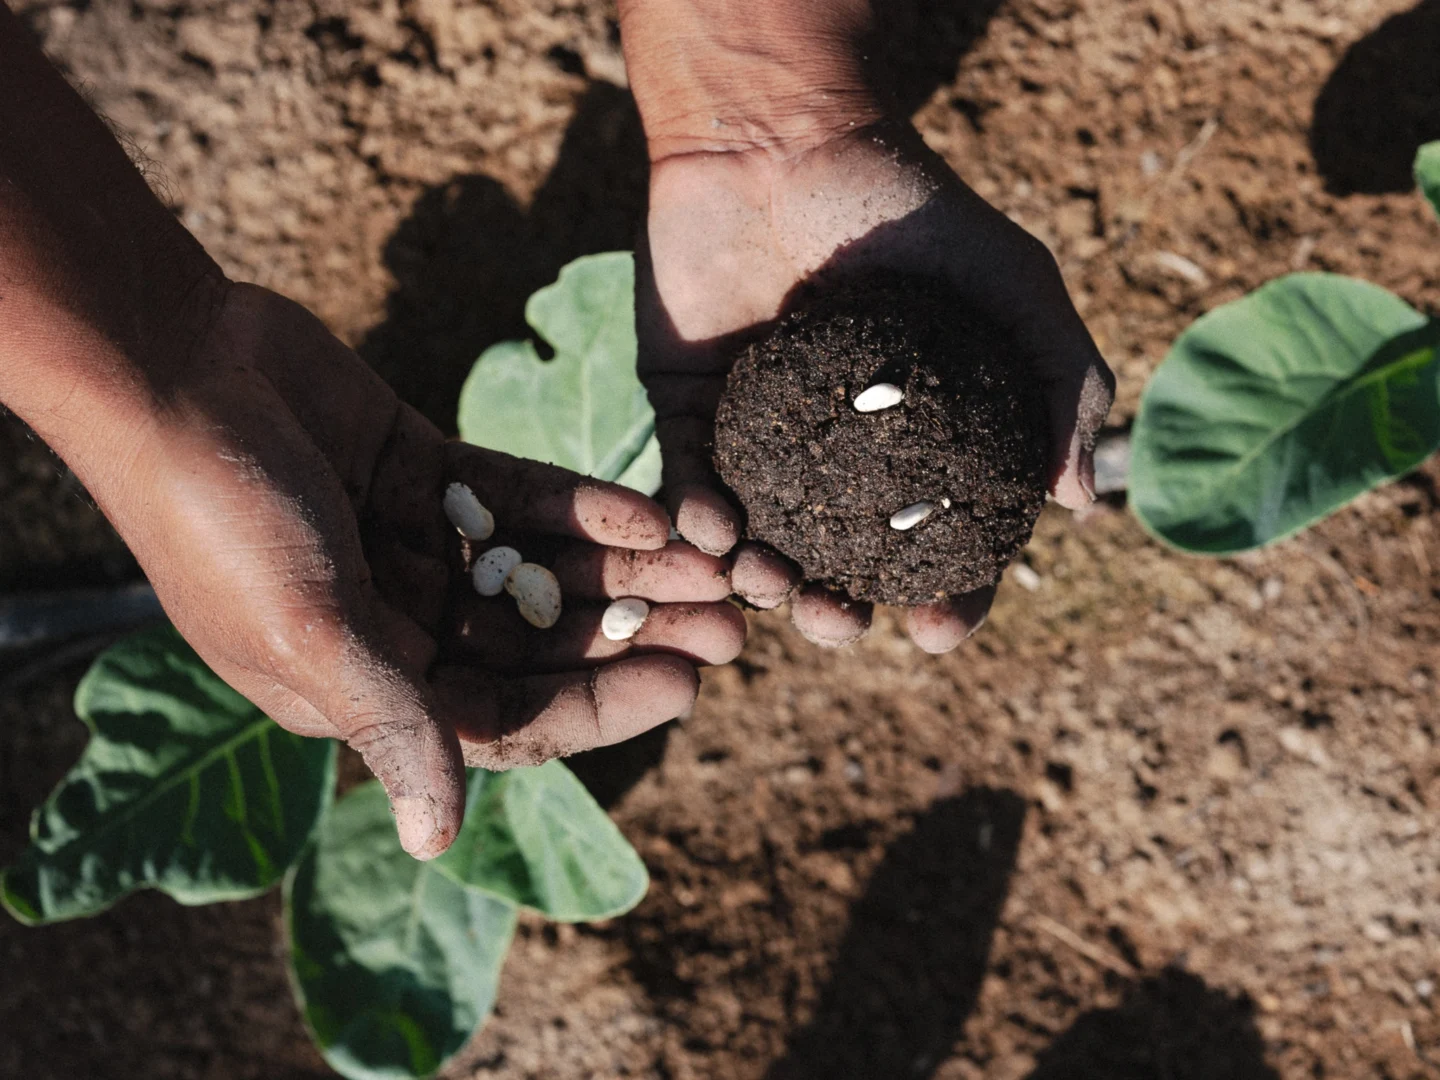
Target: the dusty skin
(1160, 817)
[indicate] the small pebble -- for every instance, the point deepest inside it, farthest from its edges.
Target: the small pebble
(1025, 576)
(536, 593)
(911, 516)
(880, 396)
(624, 618)
(467, 513)
(492, 568)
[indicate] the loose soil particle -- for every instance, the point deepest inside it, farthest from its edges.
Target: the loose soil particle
(820, 480)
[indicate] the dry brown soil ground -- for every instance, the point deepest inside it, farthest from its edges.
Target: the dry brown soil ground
(1161, 818)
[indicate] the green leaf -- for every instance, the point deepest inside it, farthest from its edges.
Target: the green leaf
(1273, 411)
(184, 787)
(393, 963)
(585, 409)
(537, 838)
(1427, 173)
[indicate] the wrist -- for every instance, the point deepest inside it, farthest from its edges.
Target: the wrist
(716, 76)
(95, 385)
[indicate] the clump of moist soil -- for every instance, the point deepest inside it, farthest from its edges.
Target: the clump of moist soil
(819, 480)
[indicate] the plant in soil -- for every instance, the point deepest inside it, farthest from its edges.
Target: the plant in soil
(187, 788)
(881, 437)
(1276, 410)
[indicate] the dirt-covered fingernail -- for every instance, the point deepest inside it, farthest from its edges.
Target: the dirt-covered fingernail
(415, 821)
(828, 620)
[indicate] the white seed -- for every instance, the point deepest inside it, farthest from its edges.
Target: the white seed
(880, 396)
(622, 619)
(945, 503)
(537, 594)
(911, 515)
(492, 568)
(467, 513)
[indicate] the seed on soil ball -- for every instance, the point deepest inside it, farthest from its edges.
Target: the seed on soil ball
(537, 594)
(467, 513)
(911, 516)
(622, 619)
(880, 396)
(970, 428)
(492, 568)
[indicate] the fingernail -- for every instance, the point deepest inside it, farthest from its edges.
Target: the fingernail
(1086, 473)
(415, 820)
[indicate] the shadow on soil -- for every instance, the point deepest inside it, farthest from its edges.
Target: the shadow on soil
(1168, 1027)
(910, 966)
(909, 970)
(1381, 103)
(468, 256)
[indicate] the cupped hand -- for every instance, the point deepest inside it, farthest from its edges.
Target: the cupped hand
(289, 511)
(730, 238)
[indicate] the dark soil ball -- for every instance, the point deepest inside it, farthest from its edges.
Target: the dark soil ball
(819, 480)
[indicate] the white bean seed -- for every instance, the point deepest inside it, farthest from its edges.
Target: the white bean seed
(880, 396)
(622, 619)
(492, 568)
(537, 594)
(911, 516)
(467, 513)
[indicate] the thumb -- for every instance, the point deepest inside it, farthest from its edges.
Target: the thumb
(333, 683)
(416, 758)
(380, 704)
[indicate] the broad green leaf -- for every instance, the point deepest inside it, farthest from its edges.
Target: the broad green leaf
(584, 409)
(393, 963)
(184, 787)
(537, 838)
(1273, 411)
(643, 474)
(1427, 173)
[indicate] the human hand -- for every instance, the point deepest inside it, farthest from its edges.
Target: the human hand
(288, 510)
(748, 202)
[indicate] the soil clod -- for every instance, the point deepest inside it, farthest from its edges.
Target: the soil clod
(927, 498)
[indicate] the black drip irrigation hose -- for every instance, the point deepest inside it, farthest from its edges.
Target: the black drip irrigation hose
(44, 632)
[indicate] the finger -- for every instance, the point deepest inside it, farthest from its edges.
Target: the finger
(829, 619)
(1078, 406)
(763, 577)
(359, 676)
(677, 572)
(493, 634)
(380, 706)
(701, 513)
(1079, 386)
(507, 722)
(531, 496)
(942, 626)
